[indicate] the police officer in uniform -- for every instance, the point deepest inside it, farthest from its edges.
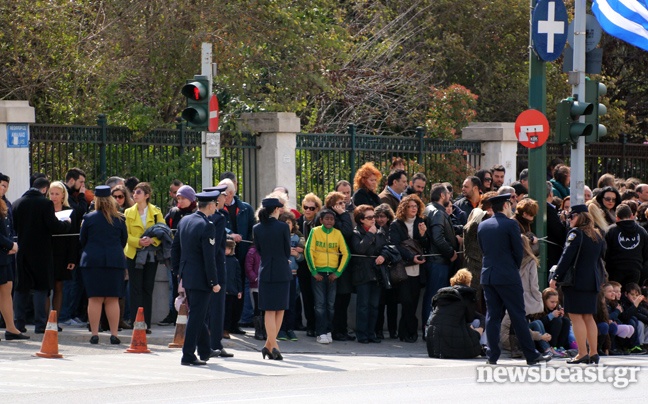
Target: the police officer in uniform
(193, 256)
(501, 243)
(217, 300)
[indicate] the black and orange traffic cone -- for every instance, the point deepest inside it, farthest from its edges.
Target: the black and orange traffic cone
(49, 348)
(138, 342)
(181, 325)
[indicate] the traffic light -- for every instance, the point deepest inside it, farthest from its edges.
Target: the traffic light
(594, 90)
(197, 92)
(568, 129)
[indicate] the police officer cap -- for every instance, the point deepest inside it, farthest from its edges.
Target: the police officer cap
(579, 209)
(498, 199)
(220, 188)
(102, 191)
(271, 202)
(207, 196)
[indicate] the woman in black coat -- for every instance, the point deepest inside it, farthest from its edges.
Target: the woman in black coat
(272, 241)
(103, 238)
(364, 183)
(7, 248)
(388, 297)
(409, 224)
(584, 248)
(367, 240)
(608, 200)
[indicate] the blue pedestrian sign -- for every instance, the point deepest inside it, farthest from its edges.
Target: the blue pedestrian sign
(17, 135)
(549, 29)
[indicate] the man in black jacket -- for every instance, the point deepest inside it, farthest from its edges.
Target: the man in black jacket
(443, 243)
(556, 231)
(627, 248)
(470, 191)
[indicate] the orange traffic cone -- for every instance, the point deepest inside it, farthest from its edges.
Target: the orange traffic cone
(181, 325)
(49, 348)
(138, 342)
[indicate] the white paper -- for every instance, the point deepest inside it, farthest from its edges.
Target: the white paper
(64, 214)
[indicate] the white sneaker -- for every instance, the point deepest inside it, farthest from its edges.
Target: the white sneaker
(70, 323)
(323, 339)
(80, 322)
(329, 337)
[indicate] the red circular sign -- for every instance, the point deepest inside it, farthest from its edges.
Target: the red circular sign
(213, 114)
(532, 128)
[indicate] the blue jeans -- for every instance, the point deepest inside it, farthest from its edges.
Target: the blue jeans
(324, 294)
(72, 294)
(248, 305)
(367, 309)
(437, 277)
(539, 327)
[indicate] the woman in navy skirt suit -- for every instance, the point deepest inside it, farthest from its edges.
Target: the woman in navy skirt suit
(272, 241)
(103, 237)
(585, 248)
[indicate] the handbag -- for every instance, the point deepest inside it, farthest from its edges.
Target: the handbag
(570, 275)
(397, 272)
(413, 247)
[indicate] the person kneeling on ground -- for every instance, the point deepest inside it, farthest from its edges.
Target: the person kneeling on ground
(454, 327)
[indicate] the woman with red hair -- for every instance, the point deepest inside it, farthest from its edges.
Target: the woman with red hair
(365, 183)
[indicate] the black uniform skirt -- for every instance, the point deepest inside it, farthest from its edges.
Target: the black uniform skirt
(274, 296)
(104, 282)
(577, 302)
(61, 273)
(6, 274)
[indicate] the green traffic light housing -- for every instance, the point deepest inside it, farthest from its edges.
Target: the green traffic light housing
(568, 129)
(197, 92)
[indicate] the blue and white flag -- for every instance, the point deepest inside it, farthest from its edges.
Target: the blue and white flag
(624, 19)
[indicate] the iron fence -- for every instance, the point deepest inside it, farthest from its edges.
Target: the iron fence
(158, 156)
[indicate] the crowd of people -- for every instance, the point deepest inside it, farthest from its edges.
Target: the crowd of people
(473, 260)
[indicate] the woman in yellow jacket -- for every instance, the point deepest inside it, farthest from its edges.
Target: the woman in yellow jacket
(140, 217)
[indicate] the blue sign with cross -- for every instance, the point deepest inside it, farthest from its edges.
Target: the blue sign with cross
(17, 135)
(549, 29)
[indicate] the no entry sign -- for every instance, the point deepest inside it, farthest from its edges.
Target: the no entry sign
(213, 114)
(532, 128)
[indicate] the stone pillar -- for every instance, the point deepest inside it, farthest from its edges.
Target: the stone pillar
(499, 145)
(15, 117)
(276, 156)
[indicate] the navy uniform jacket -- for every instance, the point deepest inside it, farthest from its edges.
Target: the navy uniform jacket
(272, 241)
(193, 254)
(6, 243)
(103, 244)
(220, 223)
(588, 276)
(500, 240)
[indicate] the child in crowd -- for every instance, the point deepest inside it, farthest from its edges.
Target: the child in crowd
(252, 263)
(234, 289)
(327, 256)
(636, 315)
(554, 321)
(607, 329)
(625, 332)
(296, 255)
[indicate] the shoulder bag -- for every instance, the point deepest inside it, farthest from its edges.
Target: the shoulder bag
(570, 275)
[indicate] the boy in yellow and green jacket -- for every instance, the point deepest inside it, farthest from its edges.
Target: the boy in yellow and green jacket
(327, 256)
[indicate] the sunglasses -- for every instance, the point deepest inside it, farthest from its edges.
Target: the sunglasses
(340, 203)
(369, 217)
(570, 216)
(118, 196)
(488, 179)
(608, 199)
(310, 208)
(138, 191)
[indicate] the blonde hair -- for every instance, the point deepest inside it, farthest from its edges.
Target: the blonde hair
(462, 277)
(597, 215)
(61, 187)
(109, 207)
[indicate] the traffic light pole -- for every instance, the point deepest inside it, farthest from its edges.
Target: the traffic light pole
(577, 79)
(207, 163)
(538, 155)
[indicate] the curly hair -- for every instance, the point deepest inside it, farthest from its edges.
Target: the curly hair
(359, 213)
(528, 206)
(364, 172)
(312, 198)
(402, 207)
(332, 198)
(462, 277)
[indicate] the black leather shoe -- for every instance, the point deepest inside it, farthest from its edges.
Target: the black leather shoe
(541, 358)
(375, 340)
(225, 354)
(214, 353)
(237, 331)
(350, 337)
(195, 362)
(339, 337)
(9, 336)
(380, 335)
(277, 355)
(584, 360)
(94, 340)
(393, 335)
(114, 340)
(22, 329)
(39, 331)
(363, 341)
(594, 359)
(310, 333)
(490, 362)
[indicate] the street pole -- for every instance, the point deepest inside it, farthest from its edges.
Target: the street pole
(207, 163)
(538, 155)
(577, 80)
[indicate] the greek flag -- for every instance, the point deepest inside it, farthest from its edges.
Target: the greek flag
(624, 19)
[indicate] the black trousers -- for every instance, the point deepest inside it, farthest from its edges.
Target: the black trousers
(142, 281)
(341, 313)
(308, 299)
(217, 302)
(409, 291)
(196, 333)
(388, 300)
(230, 302)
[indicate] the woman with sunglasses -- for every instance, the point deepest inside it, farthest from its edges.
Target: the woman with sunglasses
(608, 200)
(367, 240)
(486, 178)
(123, 197)
(584, 250)
(140, 217)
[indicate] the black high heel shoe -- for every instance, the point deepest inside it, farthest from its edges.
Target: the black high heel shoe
(594, 359)
(277, 354)
(584, 360)
(266, 352)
